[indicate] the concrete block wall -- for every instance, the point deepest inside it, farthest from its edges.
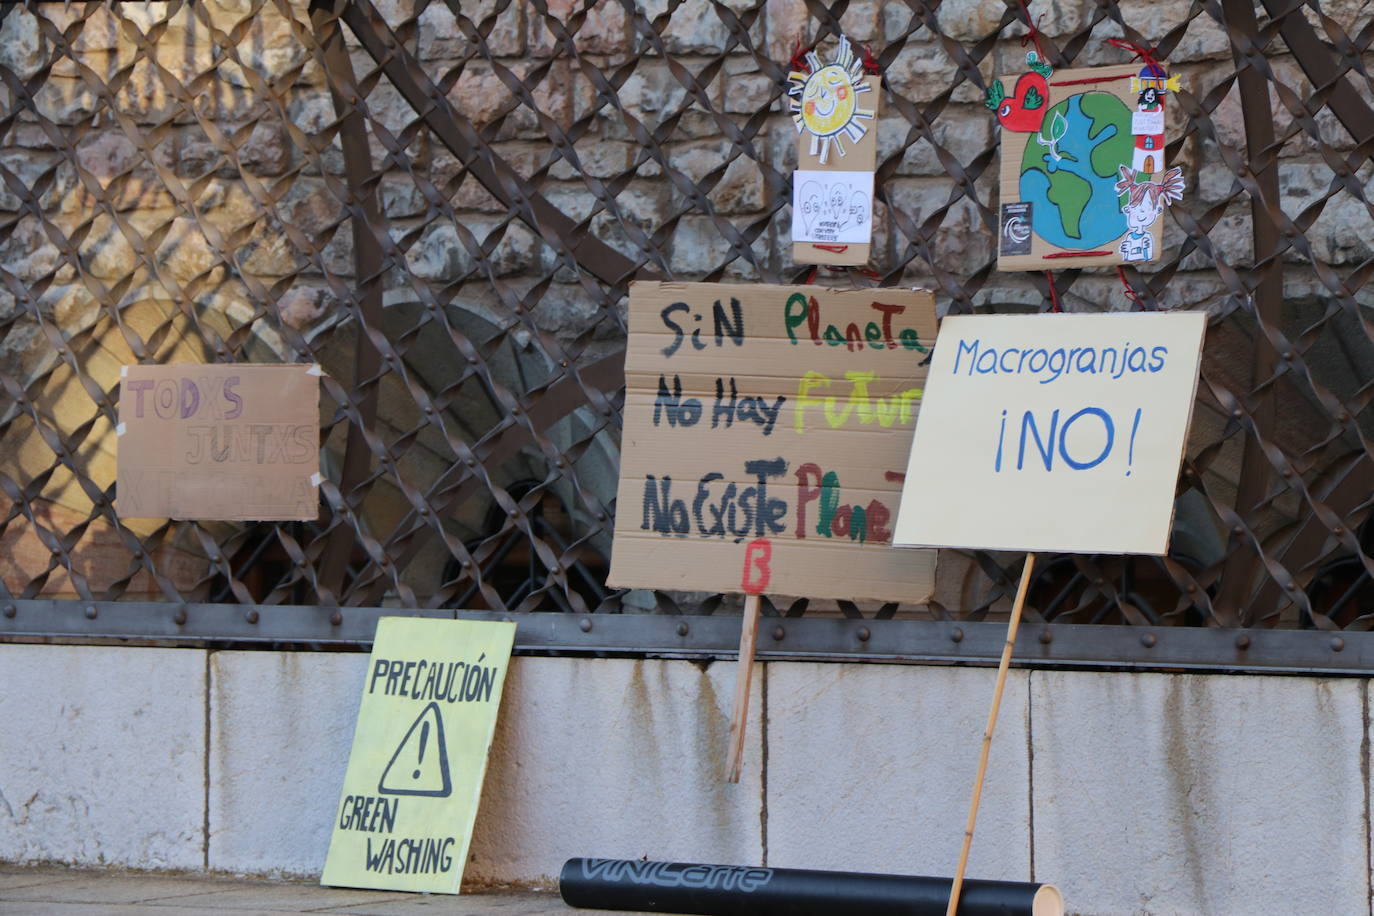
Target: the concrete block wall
(1135, 793)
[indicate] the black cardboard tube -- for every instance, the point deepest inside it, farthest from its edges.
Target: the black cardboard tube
(742, 890)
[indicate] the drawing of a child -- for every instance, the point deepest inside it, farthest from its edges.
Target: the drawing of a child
(1145, 202)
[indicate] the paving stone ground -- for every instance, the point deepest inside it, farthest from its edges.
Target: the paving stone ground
(74, 892)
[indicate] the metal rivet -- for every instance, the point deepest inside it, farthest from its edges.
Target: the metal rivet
(1237, 413)
(585, 625)
(1238, 529)
(864, 634)
(956, 634)
(179, 618)
(1338, 531)
(1148, 640)
(11, 610)
(335, 619)
(1192, 588)
(682, 629)
(251, 616)
(90, 612)
(1046, 637)
(779, 632)
(1337, 644)
(1242, 641)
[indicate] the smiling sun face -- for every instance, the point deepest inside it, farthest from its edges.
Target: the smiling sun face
(828, 101)
(825, 101)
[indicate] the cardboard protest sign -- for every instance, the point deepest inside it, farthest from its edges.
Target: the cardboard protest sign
(770, 423)
(414, 779)
(1083, 178)
(219, 441)
(835, 108)
(1053, 432)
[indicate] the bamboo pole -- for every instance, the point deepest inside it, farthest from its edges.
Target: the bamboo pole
(1002, 667)
(748, 637)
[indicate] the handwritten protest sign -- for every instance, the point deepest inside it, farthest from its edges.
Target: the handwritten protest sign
(219, 441)
(409, 799)
(770, 424)
(1053, 432)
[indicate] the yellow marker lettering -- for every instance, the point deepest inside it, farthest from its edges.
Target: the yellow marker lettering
(859, 396)
(811, 379)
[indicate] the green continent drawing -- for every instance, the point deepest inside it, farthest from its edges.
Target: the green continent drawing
(1070, 194)
(1069, 171)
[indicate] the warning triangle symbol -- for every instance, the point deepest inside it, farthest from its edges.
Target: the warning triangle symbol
(420, 764)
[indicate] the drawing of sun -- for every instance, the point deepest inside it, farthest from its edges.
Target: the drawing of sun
(825, 100)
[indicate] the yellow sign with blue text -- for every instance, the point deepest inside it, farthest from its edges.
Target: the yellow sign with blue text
(419, 754)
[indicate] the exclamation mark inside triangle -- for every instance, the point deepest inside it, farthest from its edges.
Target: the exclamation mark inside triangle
(419, 766)
(424, 739)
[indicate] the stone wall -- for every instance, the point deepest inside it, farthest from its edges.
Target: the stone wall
(179, 167)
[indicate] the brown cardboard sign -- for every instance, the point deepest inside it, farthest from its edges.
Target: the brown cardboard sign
(220, 441)
(835, 107)
(766, 429)
(1083, 177)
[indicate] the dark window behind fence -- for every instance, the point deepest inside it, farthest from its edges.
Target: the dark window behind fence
(443, 204)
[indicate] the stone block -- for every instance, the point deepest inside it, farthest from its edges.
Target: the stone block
(104, 756)
(962, 241)
(786, 23)
(922, 70)
(283, 726)
(633, 769)
(604, 30)
(870, 768)
(1200, 795)
(699, 246)
(441, 37)
(21, 44)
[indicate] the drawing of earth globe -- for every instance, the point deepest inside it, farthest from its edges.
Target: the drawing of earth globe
(1070, 169)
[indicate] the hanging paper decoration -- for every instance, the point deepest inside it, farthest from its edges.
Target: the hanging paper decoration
(1083, 180)
(835, 108)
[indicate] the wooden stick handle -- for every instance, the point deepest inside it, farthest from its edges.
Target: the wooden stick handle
(748, 637)
(1002, 667)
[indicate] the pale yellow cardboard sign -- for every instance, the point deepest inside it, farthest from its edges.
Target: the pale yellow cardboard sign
(1057, 433)
(765, 432)
(219, 441)
(419, 754)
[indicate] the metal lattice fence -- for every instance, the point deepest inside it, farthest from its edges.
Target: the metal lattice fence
(443, 204)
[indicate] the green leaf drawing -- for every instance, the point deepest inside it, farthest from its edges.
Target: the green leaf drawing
(1039, 66)
(1033, 99)
(1058, 127)
(995, 95)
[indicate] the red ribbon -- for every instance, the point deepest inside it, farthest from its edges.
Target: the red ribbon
(871, 62)
(1130, 291)
(1054, 296)
(1032, 33)
(1145, 54)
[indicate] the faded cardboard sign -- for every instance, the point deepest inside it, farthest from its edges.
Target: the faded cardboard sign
(219, 441)
(420, 748)
(766, 430)
(1059, 433)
